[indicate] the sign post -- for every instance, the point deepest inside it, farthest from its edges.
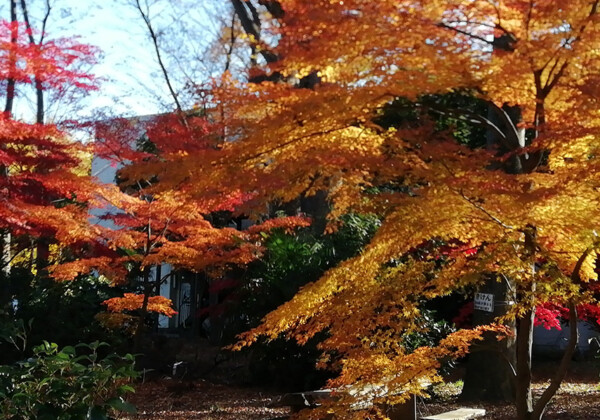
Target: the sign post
(484, 302)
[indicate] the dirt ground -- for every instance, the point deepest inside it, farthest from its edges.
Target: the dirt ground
(574, 401)
(165, 398)
(577, 398)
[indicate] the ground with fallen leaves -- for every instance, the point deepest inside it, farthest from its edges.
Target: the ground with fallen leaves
(165, 398)
(573, 401)
(170, 399)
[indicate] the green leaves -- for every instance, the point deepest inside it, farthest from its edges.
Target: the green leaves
(96, 413)
(120, 404)
(74, 382)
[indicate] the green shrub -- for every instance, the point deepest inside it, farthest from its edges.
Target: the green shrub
(64, 312)
(293, 260)
(290, 262)
(70, 383)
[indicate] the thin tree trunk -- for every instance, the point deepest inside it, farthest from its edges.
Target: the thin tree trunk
(143, 313)
(39, 87)
(215, 317)
(43, 244)
(12, 60)
(540, 405)
(193, 327)
(524, 398)
(157, 282)
(491, 370)
(5, 237)
(250, 21)
(508, 119)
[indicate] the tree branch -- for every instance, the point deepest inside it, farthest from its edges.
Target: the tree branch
(474, 204)
(231, 44)
(471, 117)
(561, 372)
(12, 60)
(154, 37)
(542, 402)
(39, 88)
(252, 26)
(484, 211)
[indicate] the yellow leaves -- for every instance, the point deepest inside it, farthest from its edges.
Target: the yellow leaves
(115, 321)
(369, 378)
(573, 152)
(457, 344)
(284, 142)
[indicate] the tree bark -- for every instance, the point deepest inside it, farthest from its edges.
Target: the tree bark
(491, 370)
(524, 398)
(490, 374)
(43, 244)
(317, 207)
(540, 405)
(250, 20)
(510, 138)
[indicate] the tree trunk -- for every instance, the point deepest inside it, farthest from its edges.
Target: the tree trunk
(524, 398)
(490, 374)
(5, 236)
(39, 87)
(193, 330)
(5, 255)
(141, 325)
(490, 370)
(12, 61)
(317, 207)
(43, 244)
(540, 405)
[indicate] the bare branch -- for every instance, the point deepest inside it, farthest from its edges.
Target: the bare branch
(12, 60)
(231, 43)
(39, 88)
(146, 17)
(252, 26)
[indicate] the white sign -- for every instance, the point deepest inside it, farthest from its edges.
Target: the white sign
(484, 302)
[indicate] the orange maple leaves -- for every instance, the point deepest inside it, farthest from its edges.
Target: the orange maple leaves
(132, 302)
(542, 57)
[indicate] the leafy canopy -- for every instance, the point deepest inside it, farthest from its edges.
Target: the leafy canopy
(289, 141)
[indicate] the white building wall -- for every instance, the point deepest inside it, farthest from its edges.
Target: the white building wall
(165, 290)
(553, 342)
(105, 171)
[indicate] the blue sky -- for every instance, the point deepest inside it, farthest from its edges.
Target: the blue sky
(133, 84)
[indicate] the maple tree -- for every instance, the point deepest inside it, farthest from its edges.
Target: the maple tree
(42, 179)
(533, 226)
(306, 122)
(45, 187)
(157, 223)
